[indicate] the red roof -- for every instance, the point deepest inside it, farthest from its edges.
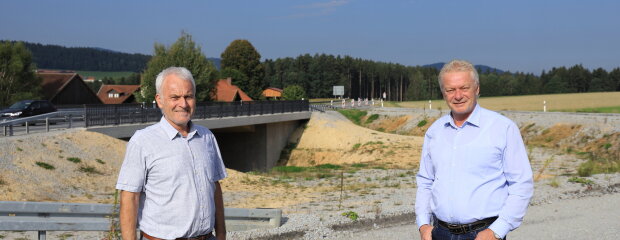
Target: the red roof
(54, 81)
(116, 94)
(226, 92)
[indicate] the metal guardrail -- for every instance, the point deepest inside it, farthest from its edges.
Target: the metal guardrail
(66, 115)
(104, 115)
(50, 216)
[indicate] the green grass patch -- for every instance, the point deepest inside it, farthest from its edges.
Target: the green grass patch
(45, 165)
(353, 114)
(328, 166)
(100, 161)
(100, 75)
(581, 180)
(422, 123)
(88, 169)
(372, 118)
(289, 169)
(359, 165)
(599, 110)
(356, 146)
(74, 159)
(19, 149)
(351, 215)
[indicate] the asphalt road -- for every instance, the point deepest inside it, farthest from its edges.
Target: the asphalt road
(578, 219)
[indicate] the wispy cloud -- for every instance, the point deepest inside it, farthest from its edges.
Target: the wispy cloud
(318, 9)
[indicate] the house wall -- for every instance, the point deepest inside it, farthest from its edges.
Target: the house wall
(75, 92)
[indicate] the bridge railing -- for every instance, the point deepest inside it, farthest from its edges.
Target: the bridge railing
(103, 115)
(55, 216)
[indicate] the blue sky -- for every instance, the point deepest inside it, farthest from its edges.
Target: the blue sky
(524, 35)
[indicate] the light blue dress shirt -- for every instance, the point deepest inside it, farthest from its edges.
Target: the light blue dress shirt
(176, 177)
(475, 171)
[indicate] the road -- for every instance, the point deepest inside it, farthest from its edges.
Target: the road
(578, 219)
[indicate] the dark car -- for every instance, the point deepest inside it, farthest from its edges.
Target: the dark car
(27, 108)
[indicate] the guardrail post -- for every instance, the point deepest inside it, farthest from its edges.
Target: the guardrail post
(27, 128)
(11, 130)
(70, 120)
(47, 124)
(41, 235)
(86, 118)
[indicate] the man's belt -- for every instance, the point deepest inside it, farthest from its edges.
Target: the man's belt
(465, 228)
(201, 237)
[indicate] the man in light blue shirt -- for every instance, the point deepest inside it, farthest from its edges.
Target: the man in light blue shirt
(475, 180)
(169, 178)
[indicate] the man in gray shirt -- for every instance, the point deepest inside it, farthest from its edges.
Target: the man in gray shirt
(169, 178)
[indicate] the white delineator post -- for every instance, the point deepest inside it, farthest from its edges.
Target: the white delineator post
(544, 106)
(430, 106)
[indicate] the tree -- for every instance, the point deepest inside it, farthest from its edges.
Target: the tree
(242, 56)
(182, 53)
(18, 80)
(293, 92)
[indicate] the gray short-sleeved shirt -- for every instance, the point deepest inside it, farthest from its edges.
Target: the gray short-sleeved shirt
(176, 178)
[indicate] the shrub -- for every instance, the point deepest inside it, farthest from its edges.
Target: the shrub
(372, 118)
(351, 215)
(422, 123)
(74, 159)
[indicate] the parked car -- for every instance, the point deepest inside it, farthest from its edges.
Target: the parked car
(27, 108)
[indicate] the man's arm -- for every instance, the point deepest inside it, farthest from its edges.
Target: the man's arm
(129, 214)
(518, 173)
(220, 224)
(424, 181)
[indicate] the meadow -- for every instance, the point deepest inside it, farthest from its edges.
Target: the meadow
(603, 102)
(100, 75)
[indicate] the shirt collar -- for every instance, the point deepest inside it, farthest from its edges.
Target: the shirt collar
(172, 132)
(473, 119)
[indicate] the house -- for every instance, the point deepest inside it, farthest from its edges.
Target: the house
(227, 92)
(117, 94)
(66, 87)
(272, 92)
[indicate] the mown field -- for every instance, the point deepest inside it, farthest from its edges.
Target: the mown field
(605, 102)
(101, 75)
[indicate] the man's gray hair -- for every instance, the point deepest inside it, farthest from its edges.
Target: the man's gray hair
(457, 65)
(180, 72)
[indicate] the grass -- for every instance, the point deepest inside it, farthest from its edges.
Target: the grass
(2, 182)
(372, 118)
(74, 159)
(359, 165)
(45, 165)
(567, 102)
(356, 146)
(615, 109)
(19, 149)
(422, 123)
(583, 181)
(351, 215)
(88, 169)
(100, 161)
(100, 75)
(354, 115)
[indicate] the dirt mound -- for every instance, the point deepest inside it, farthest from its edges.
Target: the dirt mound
(331, 138)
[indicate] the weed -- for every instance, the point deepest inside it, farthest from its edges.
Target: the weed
(356, 146)
(2, 182)
(373, 143)
(43, 144)
(586, 169)
(381, 129)
(19, 140)
(368, 179)
(1, 236)
(324, 175)
(379, 167)
(402, 175)
(422, 123)
(606, 146)
(554, 183)
(351, 215)
(64, 236)
(74, 159)
(583, 181)
(99, 161)
(45, 165)
(19, 149)
(88, 169)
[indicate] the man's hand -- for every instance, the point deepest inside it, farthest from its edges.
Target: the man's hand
(486, 234)
(220, 224)
(426, 232)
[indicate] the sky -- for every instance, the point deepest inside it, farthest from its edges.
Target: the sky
(524, 35)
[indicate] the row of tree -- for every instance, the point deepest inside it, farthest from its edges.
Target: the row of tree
(86, 59)
(369, 79)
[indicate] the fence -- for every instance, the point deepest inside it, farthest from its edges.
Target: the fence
(49, 216)
(102, 115)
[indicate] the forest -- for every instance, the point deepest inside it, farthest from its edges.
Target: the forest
(369, 79)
